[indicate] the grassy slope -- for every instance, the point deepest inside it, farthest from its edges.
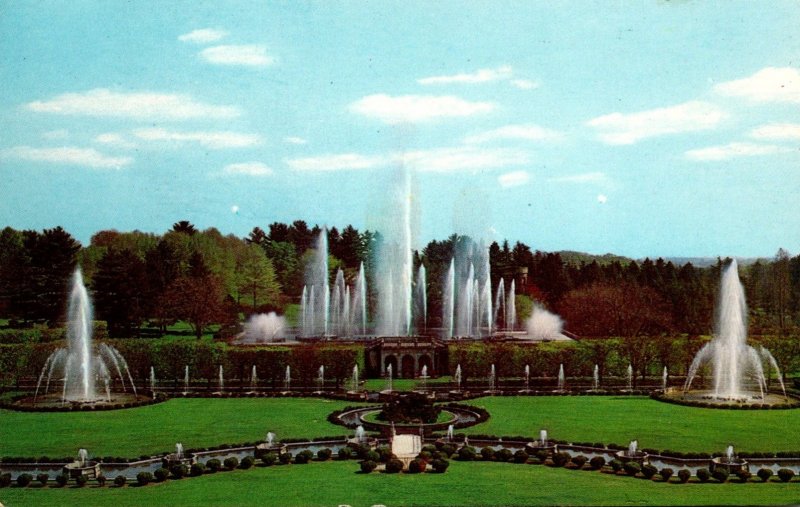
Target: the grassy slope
(337, 483)
(155, 428)
(619, 419)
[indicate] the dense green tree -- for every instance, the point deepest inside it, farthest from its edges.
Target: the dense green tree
(120, 291)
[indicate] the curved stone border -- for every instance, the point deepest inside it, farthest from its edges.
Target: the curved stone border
(143, 401)
(792, 404)
(350, 417)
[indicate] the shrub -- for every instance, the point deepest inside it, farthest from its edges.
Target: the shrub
(214, 465)
(23, 480)
(503, 455)
(764, 474)
(247, 462)
(231, 463)
(616, 465)
(560, 459)
(61, 480)
(721, 474)
(632, 468)
(428, 448)
(196, 470)
(684, 475)
(285, 458)
(785, 474)
(43, 478)
(345, 453)
(81, 480)
(597, 462)
(666, 473)
(440, 465)
(384, 453)
(144, 478)
(521, 456)
(101, 480)
(703, 475)
(466, 453)
(394, 466)
(374, 456)
(448, 449)
(743, 475)
(579, 461)
(5, 480)
(305, 456)
(649, 471)
(324, 454)
(487, 453)
(417, 466)
(120, 481)
(162, 474)
(368, 466)
(179, 471)
(269, 459)
(541, 455)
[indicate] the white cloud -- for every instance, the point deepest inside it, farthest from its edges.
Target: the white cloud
(114, 139)
(294, 140)
(481, 76)
(513, 179)
(734, 150)
(135, 105)
(235, 209)
(463, 158)
(594, 177)
(524, 132)
(771, 84)
(524, 84)
(67, 155)
(55, 135)
(602, 198)
(790, 131)
(417, 108)
(216, 140)
(619, 128)
(203, 35)
(252, 55)
(249, 169)
(336, 162)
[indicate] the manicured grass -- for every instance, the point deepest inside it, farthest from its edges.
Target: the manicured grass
(659, 425)
(195, 422)
(464, 484)
(402, 384)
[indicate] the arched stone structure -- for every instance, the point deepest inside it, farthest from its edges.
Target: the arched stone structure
(408, 366)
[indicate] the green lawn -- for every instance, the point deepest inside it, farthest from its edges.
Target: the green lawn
(619, 419)
(337, 483)
(402, 384)
(195, 422)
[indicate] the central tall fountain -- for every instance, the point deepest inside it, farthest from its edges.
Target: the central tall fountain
(737, 368)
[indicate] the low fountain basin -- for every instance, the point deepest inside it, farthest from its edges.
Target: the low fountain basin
(733, 465)
(708, 399)
(370, 442)
(88, 469)
(549, 447)
(173, 459)
(637, 457)
(53, 402)
(264, 448)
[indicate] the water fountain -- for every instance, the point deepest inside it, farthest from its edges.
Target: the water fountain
(543, 325)
(424, 377)
(321, 378)
(458, 377)
(632, 453)
(527, 378)
(253, 379)
(220, 382)
(664, 379)
(263, 328)
(729, 461)
(450, 429)
(269, 445)
(596, 378)
(287, 379)
(81, 365)
(542, 444)
(737, 368)
(153, 382)
(388, 379)
(179, 457)
(561, 379)
(354, 387)
(82, 466)
(186, 380)
(629, 377)
(492, 380)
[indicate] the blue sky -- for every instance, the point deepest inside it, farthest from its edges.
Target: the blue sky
(638, 128)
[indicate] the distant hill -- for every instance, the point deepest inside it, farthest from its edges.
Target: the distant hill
(703, 262)
(578, 258)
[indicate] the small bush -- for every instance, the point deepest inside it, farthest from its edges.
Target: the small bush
(703, 475)
(521, 456)
(597, 462)
(62, 480)
(197, 469)
(120, 481)
(666, 473)
(144, 478)
(417, 466)
(23, 480)
(616, 465)
(162, 474)
(213, 465)
(81, 480)
(345, 453)
(560, 459)
(785, 474)
(324, 454)
(744, 475)
(440, 465)
(101, 480)
(579, 461)
(231, 463)
(375, 456)
(247, 462)
(179, 471)
(721, 474)
(394, 466)
(487, 453)
(503, 455)
(305, 456)
(385, 453)
(285, 458)
(448, 449)
(466, 453)
(428, 448)
(368, 466)
(764, 474)
(5, 480)
(43, 478)
(541, 455)
(649, 471)
(632, 468)
(684, 475)
(269, 459)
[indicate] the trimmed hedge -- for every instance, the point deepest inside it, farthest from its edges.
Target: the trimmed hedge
(765, 474)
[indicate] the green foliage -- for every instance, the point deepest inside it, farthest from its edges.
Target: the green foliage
(303, 457)
(120, 481)
(285, 458)
(345, 453)
(631, 468)
(487, 453)
(61, 480)
(721, 474)
(269, 459)
(785, 474)
(466, 453)
(231, 463)
(764, 474)
(743, 475)
(417, 466)
(666, 473)
(214, 465)
(597, 462)
(162, 474)
(440, 465)
(560, 459)
(684, 475)
(368, 466)
(394, 466)
(43, 478)
(144, 478)
(579, 461)
(703, 475)
(179, 471)
(81, 481)
(324, 454)
(247, 462)
(23, 480)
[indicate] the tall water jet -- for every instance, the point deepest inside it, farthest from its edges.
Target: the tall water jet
(596, 378)
(389, 378)
(664, 379)
(561, 377)
(221, 384)
(253, 378)
(186, 380)
(355, 378)
(737, 370)
(527, 377)
(424, 376)
(511, 307)
(629, 377)
(500, 302)
(153, 382)
(458, 377)
(421, 298)
(321, 377)
(287, 378)
(492, 379)
(361, 297)
(449, 300)
(316, 316)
